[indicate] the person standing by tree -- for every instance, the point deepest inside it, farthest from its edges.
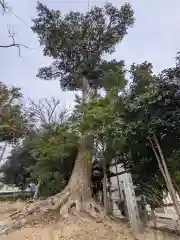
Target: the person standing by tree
(32, 187)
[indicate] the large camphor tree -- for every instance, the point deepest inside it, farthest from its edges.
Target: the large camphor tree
(77, 42)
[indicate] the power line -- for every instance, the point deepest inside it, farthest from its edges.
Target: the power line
(6, 8)
(11, 35)
(21, 20)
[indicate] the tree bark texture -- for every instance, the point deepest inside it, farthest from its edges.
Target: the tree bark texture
(80, 180)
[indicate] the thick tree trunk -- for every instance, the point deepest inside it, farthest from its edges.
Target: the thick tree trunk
(80, 180)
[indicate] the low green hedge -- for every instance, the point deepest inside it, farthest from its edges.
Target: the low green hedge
(15, 196)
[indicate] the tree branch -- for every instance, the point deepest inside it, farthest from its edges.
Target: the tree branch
(14, 44)
(48, 112)
(3, 5)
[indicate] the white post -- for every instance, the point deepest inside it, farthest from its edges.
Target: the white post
(132, 208)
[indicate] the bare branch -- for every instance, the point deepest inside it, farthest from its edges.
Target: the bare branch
(14, 44)
(48, 112)
(3, 5)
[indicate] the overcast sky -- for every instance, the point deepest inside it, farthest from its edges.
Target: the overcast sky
(155, 37)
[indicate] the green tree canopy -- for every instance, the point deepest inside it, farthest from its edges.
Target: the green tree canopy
(13, 121)
(77, 41)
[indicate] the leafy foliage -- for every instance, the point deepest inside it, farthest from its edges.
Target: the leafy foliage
(16, 168)
(44, 156)
(77, 42)
(55, 154)
(13, 122)
(151, 106)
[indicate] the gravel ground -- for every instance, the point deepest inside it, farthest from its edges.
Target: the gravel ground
(74, 229)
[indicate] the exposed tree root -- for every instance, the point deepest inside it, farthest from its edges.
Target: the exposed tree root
(93, 209)
(34, 211)
(65, 201)
(90, 207)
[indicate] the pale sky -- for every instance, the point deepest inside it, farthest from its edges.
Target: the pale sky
(155, 37)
